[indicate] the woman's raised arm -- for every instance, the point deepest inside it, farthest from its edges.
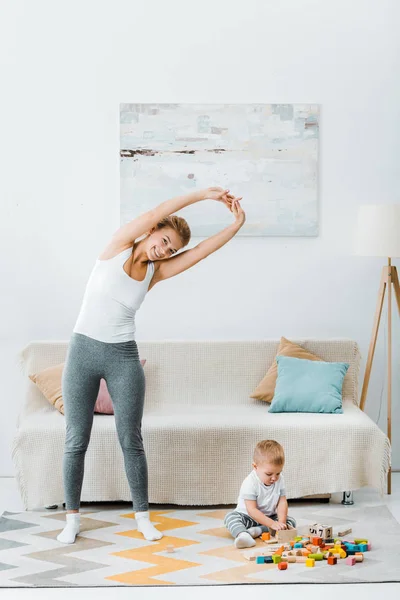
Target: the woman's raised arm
(129, 232)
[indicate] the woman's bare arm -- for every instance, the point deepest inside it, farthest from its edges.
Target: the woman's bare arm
(129, 232)
(183, 261)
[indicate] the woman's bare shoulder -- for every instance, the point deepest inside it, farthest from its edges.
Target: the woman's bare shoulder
(112, 250)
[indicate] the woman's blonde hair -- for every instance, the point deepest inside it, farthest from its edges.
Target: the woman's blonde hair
(269, 451)
(179, 225)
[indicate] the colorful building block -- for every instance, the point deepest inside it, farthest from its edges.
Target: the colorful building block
(361, 541)
(316, 541)
(344, 532)
(359, 556)
(268, 559)
(290, 559)
(332, 560)
(369, 545)
(322, 531)
(316, 556)
(363, 547)
(276, 558)
(260, 560)
(339, 550)
(266, 536)
(298, 545)
(351, 561)
(298, 538)
(282, 566)
(310, 562)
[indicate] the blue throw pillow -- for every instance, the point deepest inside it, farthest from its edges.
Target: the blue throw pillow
(308, 386)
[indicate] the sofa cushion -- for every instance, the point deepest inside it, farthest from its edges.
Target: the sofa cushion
(266, 388)
(308, 386)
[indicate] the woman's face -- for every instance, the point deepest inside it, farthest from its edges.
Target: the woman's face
(163, 243)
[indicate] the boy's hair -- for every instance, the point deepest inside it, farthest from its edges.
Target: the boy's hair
(269, 451)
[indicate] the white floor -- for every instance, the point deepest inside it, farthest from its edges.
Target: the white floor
(9, 500)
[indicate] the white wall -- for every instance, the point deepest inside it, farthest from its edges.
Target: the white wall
(65, 67)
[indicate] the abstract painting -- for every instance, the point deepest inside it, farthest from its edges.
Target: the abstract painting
(267, 153)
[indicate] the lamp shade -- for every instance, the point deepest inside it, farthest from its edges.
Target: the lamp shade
(378, 230)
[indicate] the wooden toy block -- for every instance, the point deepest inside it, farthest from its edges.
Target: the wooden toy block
(252, 554)
(351, 561)
(268, 559)
(298, 545)
(329, 541)
(298, 538)
(363, 547)
(339, 550)
(344, 532)
(359, 556)
(316, 556)
(332, 560)
(266, 536)
(290, 559)
(322, 531)
(276, 558)
(301, 559)
(353, 548)
(285, 535)
(260, 560)
(310, 562)
(369, 545)
(316, 541)
(170, 548)
(360, 541)
(282, 566)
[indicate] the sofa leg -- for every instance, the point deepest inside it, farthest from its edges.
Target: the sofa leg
(348, 498)
(51, 506)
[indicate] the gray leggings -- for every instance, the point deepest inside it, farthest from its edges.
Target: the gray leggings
(237, 522)
(88, 360)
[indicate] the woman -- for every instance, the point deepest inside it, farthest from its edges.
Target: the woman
(103, 342)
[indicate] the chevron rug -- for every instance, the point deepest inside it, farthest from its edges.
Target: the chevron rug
(110, 552)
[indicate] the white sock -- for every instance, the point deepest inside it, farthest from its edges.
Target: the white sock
(244, 540)
(71, 530)
(255, 532)
(145, 526)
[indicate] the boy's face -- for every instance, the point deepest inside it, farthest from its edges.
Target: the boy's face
(267, 472)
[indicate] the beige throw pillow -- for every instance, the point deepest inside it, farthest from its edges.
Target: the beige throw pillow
(49, 383)
(266, 388)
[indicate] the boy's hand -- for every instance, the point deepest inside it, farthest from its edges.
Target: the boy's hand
(277, 526)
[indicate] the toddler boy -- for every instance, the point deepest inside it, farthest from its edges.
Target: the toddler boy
(262, 504)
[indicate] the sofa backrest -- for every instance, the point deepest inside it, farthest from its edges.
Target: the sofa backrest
(199, 372)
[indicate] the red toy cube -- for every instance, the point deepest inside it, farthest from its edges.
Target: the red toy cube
(282, 566)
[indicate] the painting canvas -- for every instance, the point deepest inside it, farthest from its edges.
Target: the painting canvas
(267, 153)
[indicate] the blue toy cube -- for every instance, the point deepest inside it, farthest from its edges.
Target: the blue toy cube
(260, 560)
(363, 547)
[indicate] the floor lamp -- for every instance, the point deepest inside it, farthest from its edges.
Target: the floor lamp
(378, 234)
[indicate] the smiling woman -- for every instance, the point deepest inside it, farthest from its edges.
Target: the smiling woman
(103, 342)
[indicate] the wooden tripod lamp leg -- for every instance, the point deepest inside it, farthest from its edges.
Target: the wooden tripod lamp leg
(389, 383)
(378, 313)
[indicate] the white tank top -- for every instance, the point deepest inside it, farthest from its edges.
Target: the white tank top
(111, 300)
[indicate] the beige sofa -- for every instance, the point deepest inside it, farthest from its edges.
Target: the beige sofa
(200, 427)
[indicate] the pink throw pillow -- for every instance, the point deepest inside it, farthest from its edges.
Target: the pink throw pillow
(104, 403)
